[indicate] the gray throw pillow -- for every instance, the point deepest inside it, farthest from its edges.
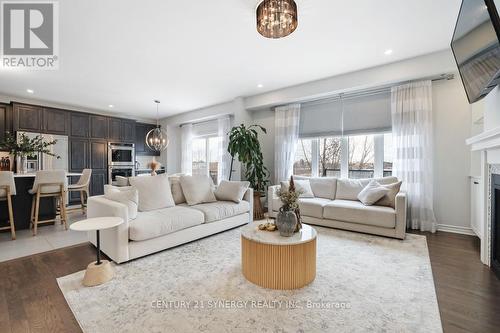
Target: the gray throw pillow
(389, 199)
(372, 193)
(231, 190)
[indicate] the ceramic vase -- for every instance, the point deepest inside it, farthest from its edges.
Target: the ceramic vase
(286, 221)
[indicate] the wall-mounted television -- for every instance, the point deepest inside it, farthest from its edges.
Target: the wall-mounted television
(476, 47)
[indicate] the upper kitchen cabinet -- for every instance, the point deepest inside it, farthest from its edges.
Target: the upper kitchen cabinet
(27, 118)
(115, 129)
(79, 125)
(98, 127)
(140, 140)
(55, 121)
(127, 131)
(5, 120)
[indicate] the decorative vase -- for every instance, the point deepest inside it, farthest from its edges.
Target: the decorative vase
(286, 221)
(21, 161)
(153, 173)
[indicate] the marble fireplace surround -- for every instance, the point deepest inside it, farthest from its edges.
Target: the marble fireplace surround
(488, 143)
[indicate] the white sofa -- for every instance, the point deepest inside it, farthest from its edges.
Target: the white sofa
(157, 230)
(325, 209)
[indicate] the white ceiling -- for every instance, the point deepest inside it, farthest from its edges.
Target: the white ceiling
(191, 54)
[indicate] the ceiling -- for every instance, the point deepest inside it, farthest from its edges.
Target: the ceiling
(192, 54)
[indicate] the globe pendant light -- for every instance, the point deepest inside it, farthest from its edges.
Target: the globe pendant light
(277, 18)
(157, 138)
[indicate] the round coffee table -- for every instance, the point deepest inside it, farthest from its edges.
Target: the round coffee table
(272, 261)
(99, 271)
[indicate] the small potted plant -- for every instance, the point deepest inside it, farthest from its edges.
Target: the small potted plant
(24, 147)
(288, 220)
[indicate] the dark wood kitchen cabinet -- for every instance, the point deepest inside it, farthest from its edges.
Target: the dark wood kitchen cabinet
(141, 149)
(115, 129)
(55, 121)
(5, 120)
(78, 154)
(127, 131)
(98, 155)
(27, 117)
(79, 125)
(98, 179)
(98, 127)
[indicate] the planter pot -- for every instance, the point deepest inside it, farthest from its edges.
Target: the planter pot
(21, 166)
(258, 212)
(286, 221)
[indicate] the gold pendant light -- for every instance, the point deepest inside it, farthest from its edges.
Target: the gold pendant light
(277, 18)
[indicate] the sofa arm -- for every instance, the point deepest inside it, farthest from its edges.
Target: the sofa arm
(249, 197)
(401, 215)
(114, 242)
(271, 196)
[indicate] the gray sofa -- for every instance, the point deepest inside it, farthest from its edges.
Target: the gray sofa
(335, 205)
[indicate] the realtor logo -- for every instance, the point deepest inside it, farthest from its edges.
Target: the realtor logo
(29, 35)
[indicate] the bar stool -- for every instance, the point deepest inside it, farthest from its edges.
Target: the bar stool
(7, 189)
(49, 183)
(82, 186)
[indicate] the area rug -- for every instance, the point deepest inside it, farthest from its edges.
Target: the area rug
(364, 284)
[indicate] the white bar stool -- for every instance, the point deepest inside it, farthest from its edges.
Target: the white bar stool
(7, 189)
(49, 183)
(82, 186)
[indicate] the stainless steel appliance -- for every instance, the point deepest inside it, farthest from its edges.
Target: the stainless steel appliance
(119, 171)
(121, 154)
(41, 161)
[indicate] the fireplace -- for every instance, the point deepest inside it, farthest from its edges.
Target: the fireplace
(495, 224)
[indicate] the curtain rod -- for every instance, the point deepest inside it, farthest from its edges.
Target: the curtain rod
(206, 121)
(373, 91)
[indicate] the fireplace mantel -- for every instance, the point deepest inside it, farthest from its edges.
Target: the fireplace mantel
(488, 140)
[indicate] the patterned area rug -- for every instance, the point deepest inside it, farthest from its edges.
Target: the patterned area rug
(363, 284)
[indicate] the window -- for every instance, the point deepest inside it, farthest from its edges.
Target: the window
(205, 157)
(302, 165)
(355, 156)
(330, 150)
(361, 156)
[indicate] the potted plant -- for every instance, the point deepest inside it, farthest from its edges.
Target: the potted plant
(25, 147)
(288, 220)
(244, 143)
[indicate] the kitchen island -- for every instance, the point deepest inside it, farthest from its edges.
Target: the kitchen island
(21, 203)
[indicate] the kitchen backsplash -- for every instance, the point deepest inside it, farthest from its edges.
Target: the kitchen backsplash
(144, 161)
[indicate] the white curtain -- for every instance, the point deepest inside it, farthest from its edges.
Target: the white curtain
(186, 150)
(224, 160)
(287, 119)
(411, 106)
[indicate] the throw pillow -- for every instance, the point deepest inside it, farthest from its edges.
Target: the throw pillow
(302, 185)
(175, 184)
(154, 192)
(322, 187)
(389, 199)
(231, 191)
(197, 189)
(108, 188)
(372, 193)
(129, 198)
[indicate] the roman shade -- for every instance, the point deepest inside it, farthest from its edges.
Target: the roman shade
(362, 114)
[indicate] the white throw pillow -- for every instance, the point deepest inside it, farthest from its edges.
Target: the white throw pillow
(302, 185)
(372, 193)
(108, 188)
(348, 189)
(322, 187)
(389, 199)
(129, 198)
(154, 192)
(197, 189)
(175, 185)
(231, 191)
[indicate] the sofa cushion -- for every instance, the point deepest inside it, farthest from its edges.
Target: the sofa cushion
(356, 212)
(312, 207)
(129, 198)
(322, 187)
(231, 190)
(372, 193)
(389, 199)
(177, 194)
(154, 192)
(215, 211)
(197, 189)
(348, 189)
(303, 186)
(165, 221)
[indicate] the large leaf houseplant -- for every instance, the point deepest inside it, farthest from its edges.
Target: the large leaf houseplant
(245, 146)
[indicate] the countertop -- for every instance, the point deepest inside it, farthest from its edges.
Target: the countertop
(22, 175)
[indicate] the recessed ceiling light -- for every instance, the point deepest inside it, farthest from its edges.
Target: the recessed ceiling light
(111, 106)
(260, 85)
(30, 91)
(388, 52)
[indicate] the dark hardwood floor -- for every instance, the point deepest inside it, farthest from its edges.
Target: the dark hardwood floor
(30, 301)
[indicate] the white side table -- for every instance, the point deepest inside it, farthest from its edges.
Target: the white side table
(100, 271)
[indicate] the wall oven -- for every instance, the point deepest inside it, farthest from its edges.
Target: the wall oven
(121, 154)
(115, 172)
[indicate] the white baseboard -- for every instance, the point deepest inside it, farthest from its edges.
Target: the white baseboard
(456, 229)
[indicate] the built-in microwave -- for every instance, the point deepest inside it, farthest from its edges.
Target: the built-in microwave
(121, 154)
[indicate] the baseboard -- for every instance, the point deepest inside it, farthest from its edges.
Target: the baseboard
(456, 229)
